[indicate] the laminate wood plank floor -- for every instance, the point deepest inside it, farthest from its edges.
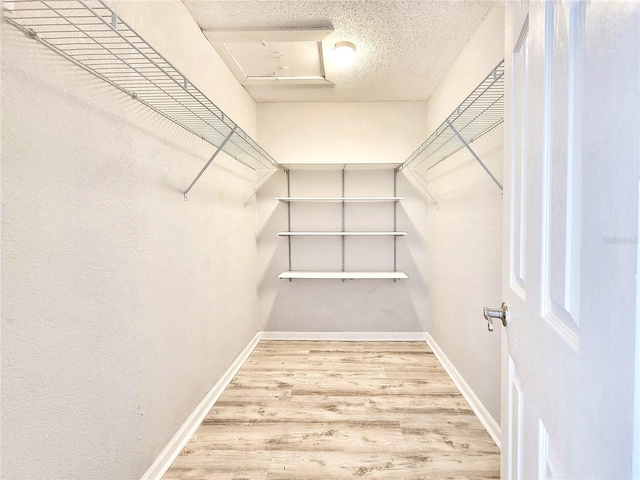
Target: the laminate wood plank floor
(337, 410)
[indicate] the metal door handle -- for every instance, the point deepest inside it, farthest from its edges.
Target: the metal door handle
(502, 313)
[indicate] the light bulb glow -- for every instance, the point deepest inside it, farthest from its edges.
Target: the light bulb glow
(344, 54)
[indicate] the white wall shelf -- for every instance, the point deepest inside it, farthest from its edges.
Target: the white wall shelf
(92, 36)
(340, 166)
(343, 275)
(329, 234)
(338, 199)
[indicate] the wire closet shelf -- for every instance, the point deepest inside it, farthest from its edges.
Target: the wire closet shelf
(91, 35)
(480, 112)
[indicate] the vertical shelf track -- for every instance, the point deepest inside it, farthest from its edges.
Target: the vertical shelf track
(289, 219)
(395, 226)
(343, 222)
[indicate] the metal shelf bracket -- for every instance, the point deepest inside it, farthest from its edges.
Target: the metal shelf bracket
(261, 182)
(218, 150)
(422, 183)
(464, 142)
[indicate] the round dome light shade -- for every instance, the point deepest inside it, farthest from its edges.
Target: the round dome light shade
(344, 54)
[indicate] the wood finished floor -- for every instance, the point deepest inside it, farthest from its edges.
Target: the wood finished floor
(333, 410)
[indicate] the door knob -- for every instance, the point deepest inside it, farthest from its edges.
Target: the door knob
(502, 313)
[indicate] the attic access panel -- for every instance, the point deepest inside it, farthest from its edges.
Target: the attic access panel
(268, 57)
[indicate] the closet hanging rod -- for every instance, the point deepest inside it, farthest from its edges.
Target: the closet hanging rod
(480, 112)
(91, 35)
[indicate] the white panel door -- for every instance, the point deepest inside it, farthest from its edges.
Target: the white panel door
(571, 239)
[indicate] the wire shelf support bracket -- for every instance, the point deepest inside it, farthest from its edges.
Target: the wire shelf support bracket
(422, 182)
(215, 154)
(480, 112)
(92, 36)
(261, 181)
(484, 167)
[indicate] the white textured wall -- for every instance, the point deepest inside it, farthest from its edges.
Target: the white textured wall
(465, 230)
(122, 304)
(342, 132)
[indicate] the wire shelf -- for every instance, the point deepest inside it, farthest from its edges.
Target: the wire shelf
(481, 111)
(91, 35)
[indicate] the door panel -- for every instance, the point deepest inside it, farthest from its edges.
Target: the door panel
(549, 463)
(564, 41)
(516, 407)
(517, 264)
(570, 251)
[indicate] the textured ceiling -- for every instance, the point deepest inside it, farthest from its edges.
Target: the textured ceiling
(404, 47)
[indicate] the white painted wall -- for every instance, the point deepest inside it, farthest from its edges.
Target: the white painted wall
(342, 132)
(122, 304)
(464, 231)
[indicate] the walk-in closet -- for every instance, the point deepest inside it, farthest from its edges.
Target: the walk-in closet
(286, 239)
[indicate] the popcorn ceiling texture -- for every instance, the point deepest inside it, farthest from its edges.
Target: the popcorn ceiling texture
(404, 47)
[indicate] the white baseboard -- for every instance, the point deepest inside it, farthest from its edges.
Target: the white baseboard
(186, 431)
(348, 336)
(477, 406)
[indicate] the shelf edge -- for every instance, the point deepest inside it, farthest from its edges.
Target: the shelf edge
(327, 275)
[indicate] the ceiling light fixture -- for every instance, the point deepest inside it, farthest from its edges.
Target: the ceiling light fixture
(344, 54)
